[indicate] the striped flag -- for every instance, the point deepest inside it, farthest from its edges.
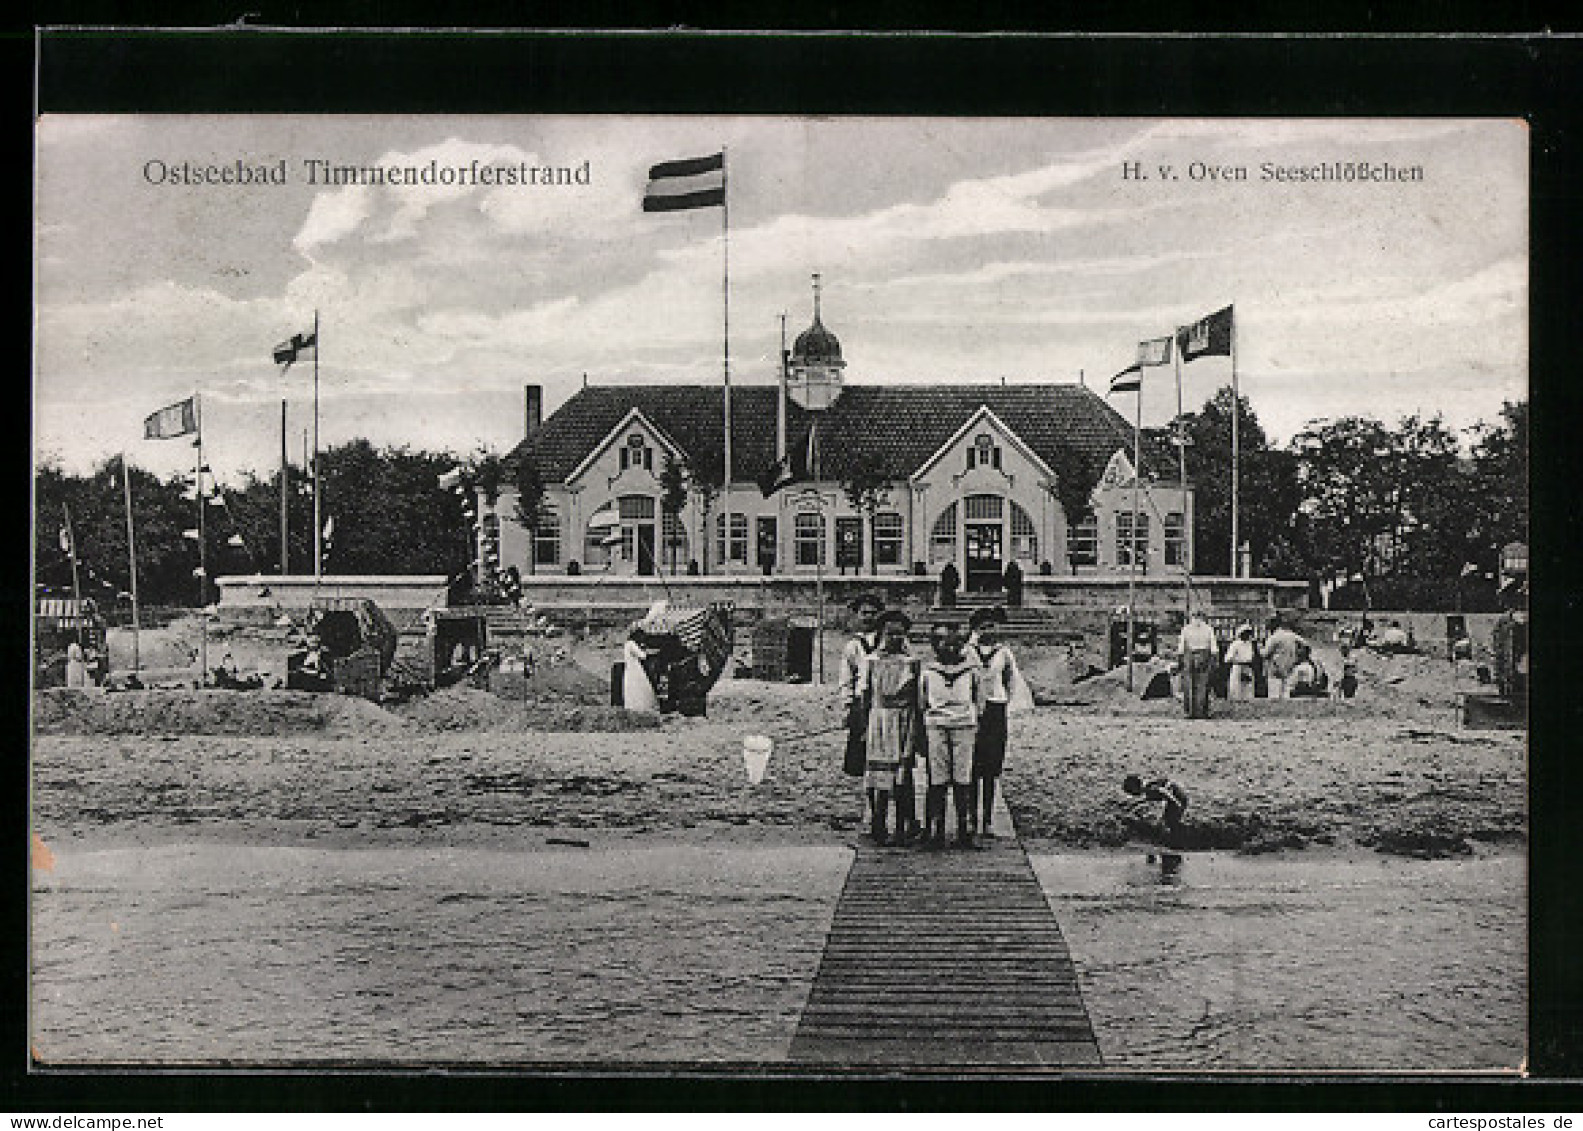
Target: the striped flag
(172, 421)
(695, 182)
(1129, 380)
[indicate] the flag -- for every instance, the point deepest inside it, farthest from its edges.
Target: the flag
(1129, 380)
(193, 534)
(65, 541)
(676, 186)
(795, 468)
(172, 421)
(329, 528)
(1211, 334)
(287, 351)
(1155, 351)
(235, 540)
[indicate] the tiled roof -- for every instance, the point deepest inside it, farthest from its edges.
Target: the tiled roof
(905, 423)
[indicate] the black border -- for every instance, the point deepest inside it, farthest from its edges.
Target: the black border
(1534, 77)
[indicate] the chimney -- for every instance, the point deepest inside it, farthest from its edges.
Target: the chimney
(535, 410)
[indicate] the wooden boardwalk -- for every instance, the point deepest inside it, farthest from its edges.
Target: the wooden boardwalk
(941, 959)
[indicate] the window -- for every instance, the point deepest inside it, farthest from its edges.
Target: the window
(636, 508)
(849, 542)
(984, 508)
(942, 537)
(808, 534)
(1175, 539)
(637, 453)
(1124, 536)
(737, 551)
(1082, 542)
(984, 453)
(1024, 536)
(547, 538)
(887, 538)
(599, 540)
(675, 534)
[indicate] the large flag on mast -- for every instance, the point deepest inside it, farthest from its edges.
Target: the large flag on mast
(178, 419)
(694, 182)
(1209, 336)
(1129, 380)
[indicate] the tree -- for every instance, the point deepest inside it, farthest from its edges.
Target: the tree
(390, 516)
(867, 489)
(530, 503)
(1075, 480)
(1500, 477)
(673, 497)
(1268, 495)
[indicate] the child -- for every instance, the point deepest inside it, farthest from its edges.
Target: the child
(1161, 789)
(891, 675)
(1000, 678)
(951, 695)
(1240, 655)
(853, 686)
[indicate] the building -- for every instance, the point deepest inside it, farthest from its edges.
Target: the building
(967, 474)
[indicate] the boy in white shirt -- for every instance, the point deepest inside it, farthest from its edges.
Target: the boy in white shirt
(951, 695)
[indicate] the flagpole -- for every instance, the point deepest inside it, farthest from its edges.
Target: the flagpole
(1236, 470)
(1181, 465)
(131, 556)
(819, 559)
(203, 549)
(76, 589)
(1137, 476)
(725, 293)
(318, 528)
(285, 476)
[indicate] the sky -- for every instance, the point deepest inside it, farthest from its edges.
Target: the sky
(951, 250)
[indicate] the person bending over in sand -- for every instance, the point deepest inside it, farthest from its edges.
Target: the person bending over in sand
(1161, 789)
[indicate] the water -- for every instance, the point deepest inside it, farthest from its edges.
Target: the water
(202, 952)
(1290, 962)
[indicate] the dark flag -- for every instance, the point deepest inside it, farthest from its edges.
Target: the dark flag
(797, 467)
(174, 420)
(1210, 335)
(287, 351)
(696, 182)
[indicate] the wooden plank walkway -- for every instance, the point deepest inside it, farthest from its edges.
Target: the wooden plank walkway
(945, 959)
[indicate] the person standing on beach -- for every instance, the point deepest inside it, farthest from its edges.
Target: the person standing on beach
(1000, 677)
(637, 690)
(891, 675)
(1280, 656)
(1197, 651)
(1240, 655)
(951, 694)
(853, 687)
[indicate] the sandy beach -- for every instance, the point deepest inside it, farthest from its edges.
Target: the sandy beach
(536, 877)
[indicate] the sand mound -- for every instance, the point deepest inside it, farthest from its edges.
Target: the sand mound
(469, 709)
(167, 712)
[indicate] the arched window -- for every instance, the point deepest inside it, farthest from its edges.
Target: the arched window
(808, 538)
(547, 538)
(1024, 535)
(942, 537)
(887, 538)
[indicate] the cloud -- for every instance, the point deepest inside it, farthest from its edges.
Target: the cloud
(333, 216)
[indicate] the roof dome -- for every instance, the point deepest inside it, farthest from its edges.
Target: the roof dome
(816, 344)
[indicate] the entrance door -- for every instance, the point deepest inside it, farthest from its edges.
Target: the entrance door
(984, 563)
(645, 533)
(768, 539)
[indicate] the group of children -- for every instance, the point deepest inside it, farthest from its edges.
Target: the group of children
(939, 723)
